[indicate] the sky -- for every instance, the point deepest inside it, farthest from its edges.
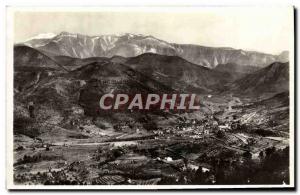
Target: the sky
(260, 29)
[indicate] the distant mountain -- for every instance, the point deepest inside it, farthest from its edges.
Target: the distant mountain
(235, 70)
(271, 79)
(172, 71)
(212, 56)
(131, 45)
(31, 66)
(72, 63)
(178, 73)
(232, 67)
(283, 56)
(25, 56)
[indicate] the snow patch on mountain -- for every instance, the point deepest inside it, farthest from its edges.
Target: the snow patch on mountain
(43, 36)
(129, 45)
(152, 50)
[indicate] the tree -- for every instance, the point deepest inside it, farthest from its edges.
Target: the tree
(261, 155)
(220, 134)
(247, 155)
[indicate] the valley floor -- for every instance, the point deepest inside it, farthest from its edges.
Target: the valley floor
(234, 141)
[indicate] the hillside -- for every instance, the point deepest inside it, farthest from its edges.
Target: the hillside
(236, 71)
(178, 73)
(271, 79)
(31, 66)
(25, 56)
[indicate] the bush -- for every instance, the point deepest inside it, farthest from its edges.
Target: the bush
(26, 126)
(37, 158)
(150, 126)
(220, 134)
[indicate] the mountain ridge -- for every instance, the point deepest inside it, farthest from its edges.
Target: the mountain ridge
(131, 45)
(271, 79)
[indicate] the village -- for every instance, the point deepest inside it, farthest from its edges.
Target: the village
(206, 146)
(175, 154)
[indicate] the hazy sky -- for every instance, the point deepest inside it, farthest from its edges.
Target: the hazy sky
(267, 30)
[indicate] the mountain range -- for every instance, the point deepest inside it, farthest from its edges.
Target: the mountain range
(131, 45)
(40, 70)
(172, 71)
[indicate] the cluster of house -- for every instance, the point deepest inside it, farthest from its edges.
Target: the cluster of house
(195, 128)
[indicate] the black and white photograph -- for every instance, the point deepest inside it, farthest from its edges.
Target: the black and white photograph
(150, 98)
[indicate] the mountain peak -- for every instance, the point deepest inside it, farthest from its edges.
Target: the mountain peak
(127, 34)
(42, 36)
(64, 33)
(284, 56)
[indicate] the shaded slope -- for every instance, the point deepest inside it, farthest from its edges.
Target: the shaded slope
(31, 66)
(85, 85)
(236, 71)
(272, 79)
(25, 56)
(178, 73)
(72, 63)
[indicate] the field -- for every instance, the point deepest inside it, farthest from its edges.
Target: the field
(230, 141)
